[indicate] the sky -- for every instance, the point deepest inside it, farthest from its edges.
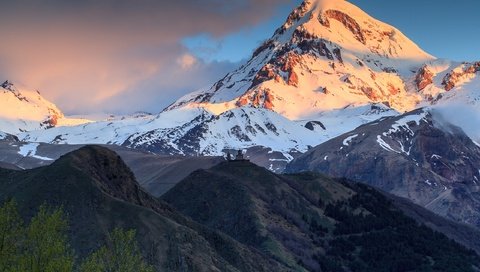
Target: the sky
(122, 56)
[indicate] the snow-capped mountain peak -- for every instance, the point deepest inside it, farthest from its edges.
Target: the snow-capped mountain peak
(326, 56)
(25, 110)
(347, 25)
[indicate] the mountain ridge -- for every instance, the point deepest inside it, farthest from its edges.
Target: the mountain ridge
(98, 192)
(328, 64)
(292, 217)
(23, 110)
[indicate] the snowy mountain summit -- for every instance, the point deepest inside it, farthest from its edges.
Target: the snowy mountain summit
(328, 55)
(327, 70)
(23, 110)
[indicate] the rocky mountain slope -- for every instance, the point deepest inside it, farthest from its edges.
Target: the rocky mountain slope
(315, 223)
(98, 192)
(23, 110)
(418, 155)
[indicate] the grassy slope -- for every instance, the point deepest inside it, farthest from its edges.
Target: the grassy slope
(311, 222)
(98, 193)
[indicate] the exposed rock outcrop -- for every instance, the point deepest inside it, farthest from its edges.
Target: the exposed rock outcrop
(424, 78)
(348, 22)
(451, 80)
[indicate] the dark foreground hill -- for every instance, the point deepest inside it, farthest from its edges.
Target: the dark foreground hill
(155, 173)
(98, 192)
(247, 218)
(314, 223)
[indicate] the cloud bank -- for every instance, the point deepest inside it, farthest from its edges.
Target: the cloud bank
(117, 55)
(466, 117)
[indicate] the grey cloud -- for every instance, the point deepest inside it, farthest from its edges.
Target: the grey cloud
(146, 93)
(87, 54)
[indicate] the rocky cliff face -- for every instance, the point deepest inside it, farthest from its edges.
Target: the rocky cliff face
(417, 155)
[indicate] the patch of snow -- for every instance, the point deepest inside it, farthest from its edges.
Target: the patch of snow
(279, 160)
(288, 157)
(384, 145)
(30, 150)
(403, 123)
(348, 140)
(435, 156)
(402, 147)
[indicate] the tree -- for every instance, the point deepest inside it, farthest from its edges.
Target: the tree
(11, 236)
(121, 255)
(42, 246)
(46, 248)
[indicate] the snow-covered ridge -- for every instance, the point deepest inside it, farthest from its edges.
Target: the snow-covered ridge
(197, 131)
(25, 110)
(327, 55)
(444, 82)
